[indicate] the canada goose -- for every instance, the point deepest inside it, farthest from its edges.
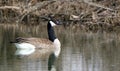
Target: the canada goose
(27, 46)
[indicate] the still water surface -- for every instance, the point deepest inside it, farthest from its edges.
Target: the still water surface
(81, 51)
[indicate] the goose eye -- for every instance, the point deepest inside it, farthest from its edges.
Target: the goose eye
(58, 23)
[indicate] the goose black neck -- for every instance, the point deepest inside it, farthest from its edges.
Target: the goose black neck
(51, 33)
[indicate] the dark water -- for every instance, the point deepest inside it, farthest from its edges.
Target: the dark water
(81, 51)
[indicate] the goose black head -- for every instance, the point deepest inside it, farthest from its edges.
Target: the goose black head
(53, 21)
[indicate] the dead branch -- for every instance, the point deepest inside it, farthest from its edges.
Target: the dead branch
(34, 8)
(10, 7)
(97, 5)
(14, 8)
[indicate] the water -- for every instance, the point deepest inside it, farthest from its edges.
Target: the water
(81, 51)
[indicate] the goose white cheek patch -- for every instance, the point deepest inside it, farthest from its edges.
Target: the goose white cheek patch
(52, 23)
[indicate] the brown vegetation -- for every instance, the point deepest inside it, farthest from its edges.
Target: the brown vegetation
(84, 14)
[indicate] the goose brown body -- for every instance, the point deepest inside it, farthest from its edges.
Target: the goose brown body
(43, 47)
